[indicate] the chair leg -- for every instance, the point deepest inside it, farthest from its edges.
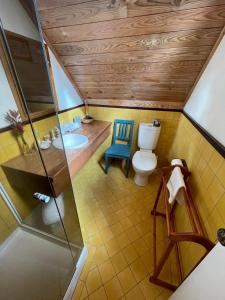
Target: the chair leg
(127, 167)
(106, 164)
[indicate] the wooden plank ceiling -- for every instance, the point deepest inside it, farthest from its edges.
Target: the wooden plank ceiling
(133, 50)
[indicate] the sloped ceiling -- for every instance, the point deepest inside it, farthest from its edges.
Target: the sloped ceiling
(149, 50)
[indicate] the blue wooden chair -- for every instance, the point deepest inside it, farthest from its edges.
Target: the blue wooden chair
(121, 143)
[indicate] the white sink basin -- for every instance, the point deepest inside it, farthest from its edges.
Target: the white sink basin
(71, 141)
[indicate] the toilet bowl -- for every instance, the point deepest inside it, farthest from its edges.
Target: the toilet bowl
(144, 163)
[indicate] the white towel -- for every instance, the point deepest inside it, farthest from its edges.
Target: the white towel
(176, 161)
(174, 185)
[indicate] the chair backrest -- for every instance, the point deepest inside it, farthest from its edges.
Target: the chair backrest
(123, 131)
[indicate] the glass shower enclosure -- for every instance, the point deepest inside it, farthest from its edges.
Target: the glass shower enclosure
(41, 245)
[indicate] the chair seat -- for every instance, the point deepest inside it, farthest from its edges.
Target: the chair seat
(119, 150)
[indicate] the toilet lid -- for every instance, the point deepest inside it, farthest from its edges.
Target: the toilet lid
(144, 160)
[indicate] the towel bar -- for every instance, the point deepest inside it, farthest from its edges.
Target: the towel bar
(197, 235)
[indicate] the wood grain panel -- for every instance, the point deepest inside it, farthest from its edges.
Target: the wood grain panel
(146, 7)
(88, 12)
(136, 86)
(151, 50)
(172, 54)
(208, 17)
(138, 77)
(157, 68)
(152, 91)
(141, 104)
(46, 4)
(94, 93)
(201, 37)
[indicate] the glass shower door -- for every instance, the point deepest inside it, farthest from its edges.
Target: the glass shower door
(31, 266)
(41, 252)
(32, 76)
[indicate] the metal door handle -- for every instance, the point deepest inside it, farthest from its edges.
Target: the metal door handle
(221, 236)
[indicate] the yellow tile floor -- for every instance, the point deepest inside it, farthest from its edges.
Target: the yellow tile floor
(116, 225)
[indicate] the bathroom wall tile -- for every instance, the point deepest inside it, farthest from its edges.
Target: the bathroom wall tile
(221, 206)
(215, 161)
(207, 183)
(207, 176)
(221, 173)
(215, 190)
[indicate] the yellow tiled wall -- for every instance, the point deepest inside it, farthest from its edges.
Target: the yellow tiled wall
(10, 148)
(67, 117)
(169, 125)
(207, 184)
(7, 221)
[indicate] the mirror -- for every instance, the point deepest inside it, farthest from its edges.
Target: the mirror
(28, 57)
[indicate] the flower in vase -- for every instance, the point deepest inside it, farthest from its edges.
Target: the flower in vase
(14, 119)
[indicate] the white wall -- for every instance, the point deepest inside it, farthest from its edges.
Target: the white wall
(6, 97)
(66, 92)
(206, 282)
(14, 18)
(207, 102)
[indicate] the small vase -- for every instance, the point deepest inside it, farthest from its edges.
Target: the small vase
(25, 147)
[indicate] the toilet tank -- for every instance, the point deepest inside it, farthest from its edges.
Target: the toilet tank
(148, 136)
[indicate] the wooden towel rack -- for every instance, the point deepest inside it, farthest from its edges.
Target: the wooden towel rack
(197, 235)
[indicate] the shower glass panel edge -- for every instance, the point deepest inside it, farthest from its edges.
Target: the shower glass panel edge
(64, 204)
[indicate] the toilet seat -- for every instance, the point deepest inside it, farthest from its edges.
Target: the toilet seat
(144, 160)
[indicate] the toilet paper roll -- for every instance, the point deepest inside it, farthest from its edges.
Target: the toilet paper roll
(176, 161)
(50, 213)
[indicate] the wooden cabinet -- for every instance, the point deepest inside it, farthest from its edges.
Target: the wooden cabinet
(54, 176)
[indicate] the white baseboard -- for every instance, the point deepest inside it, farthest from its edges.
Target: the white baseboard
(76, 275)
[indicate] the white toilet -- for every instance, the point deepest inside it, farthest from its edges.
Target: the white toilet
(145, 161)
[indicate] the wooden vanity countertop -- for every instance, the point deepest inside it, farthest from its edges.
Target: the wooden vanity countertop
(55, 161)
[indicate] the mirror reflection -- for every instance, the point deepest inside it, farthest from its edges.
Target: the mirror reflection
(28, 57)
